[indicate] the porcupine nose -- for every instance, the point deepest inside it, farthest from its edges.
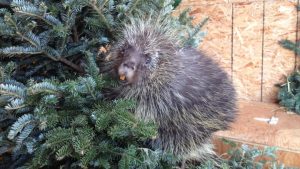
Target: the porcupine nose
(126, 70)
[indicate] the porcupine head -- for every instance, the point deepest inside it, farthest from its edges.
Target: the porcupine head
(144, 57)
(145, 62)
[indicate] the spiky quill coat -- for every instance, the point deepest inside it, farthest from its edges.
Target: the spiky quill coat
(186, 93)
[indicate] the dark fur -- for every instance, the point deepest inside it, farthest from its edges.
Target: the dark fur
(186, 93)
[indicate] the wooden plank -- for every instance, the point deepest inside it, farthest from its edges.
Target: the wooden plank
(218, 30)
(211, 2)
(280, 23)
(285, 134)
(247, 50)
(205, 2)
(268, 1)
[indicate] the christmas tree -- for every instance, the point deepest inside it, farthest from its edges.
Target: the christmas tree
(53, 107)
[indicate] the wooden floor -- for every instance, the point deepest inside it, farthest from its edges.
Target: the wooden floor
(285, 135)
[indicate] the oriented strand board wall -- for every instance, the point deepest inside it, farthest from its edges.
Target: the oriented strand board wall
(243, 37)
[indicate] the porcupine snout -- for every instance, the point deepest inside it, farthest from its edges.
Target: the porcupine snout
(127, 68)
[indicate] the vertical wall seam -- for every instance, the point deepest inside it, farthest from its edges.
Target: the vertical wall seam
(296, 40)
(232, 34)
(262, 52)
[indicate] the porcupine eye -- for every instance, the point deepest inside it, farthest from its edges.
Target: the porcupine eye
(148, 59)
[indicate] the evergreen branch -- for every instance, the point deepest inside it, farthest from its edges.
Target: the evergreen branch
(43, 87)
(29, 38)
(20, 50)
(100, 13)
(63, 44)
(21, 3)
(7, 71)
(176, 3)
(12, 90)
(133, 6)
(78, 49)
(198, 27)
(193, 36)
(80, 120)
(29, 144)
(51, 53)
(26, 8)
(287, 44)
(45, 37)
(18, 126)
(91, 68)
(63, 152)
(29, 11)
(52, 20)
(36, 69)
(88, 157)
(103, 121)
(15, 104)
(184, 17)
(5, 29)
(25, 133)
(83, 141)
(92, 23)
(33, 38)
(71, 15)
(40, 158)
(15, 83)
(72, 65)
(59, 136)
(3, 10)
(50, 100)
(89, 86)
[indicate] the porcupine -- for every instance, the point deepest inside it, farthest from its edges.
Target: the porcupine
(183, 91)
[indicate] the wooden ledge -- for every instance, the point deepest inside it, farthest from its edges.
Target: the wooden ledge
(285, 135)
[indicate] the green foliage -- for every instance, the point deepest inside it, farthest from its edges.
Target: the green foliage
(70, 121)
(290, 45)
(57, 34)
(289, 93)
(251, 157)
(243, 157)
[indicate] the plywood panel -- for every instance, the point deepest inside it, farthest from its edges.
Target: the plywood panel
(250, 63)
(270, 1)
(247, 49)
(280, 23)
(205, 2)
(218, 30)
(285, 134)
(230, 1)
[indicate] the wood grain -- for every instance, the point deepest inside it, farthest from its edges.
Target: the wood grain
(256, 62)
(218, 30)
(247, 50)
(285, 135)
(280, 23)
